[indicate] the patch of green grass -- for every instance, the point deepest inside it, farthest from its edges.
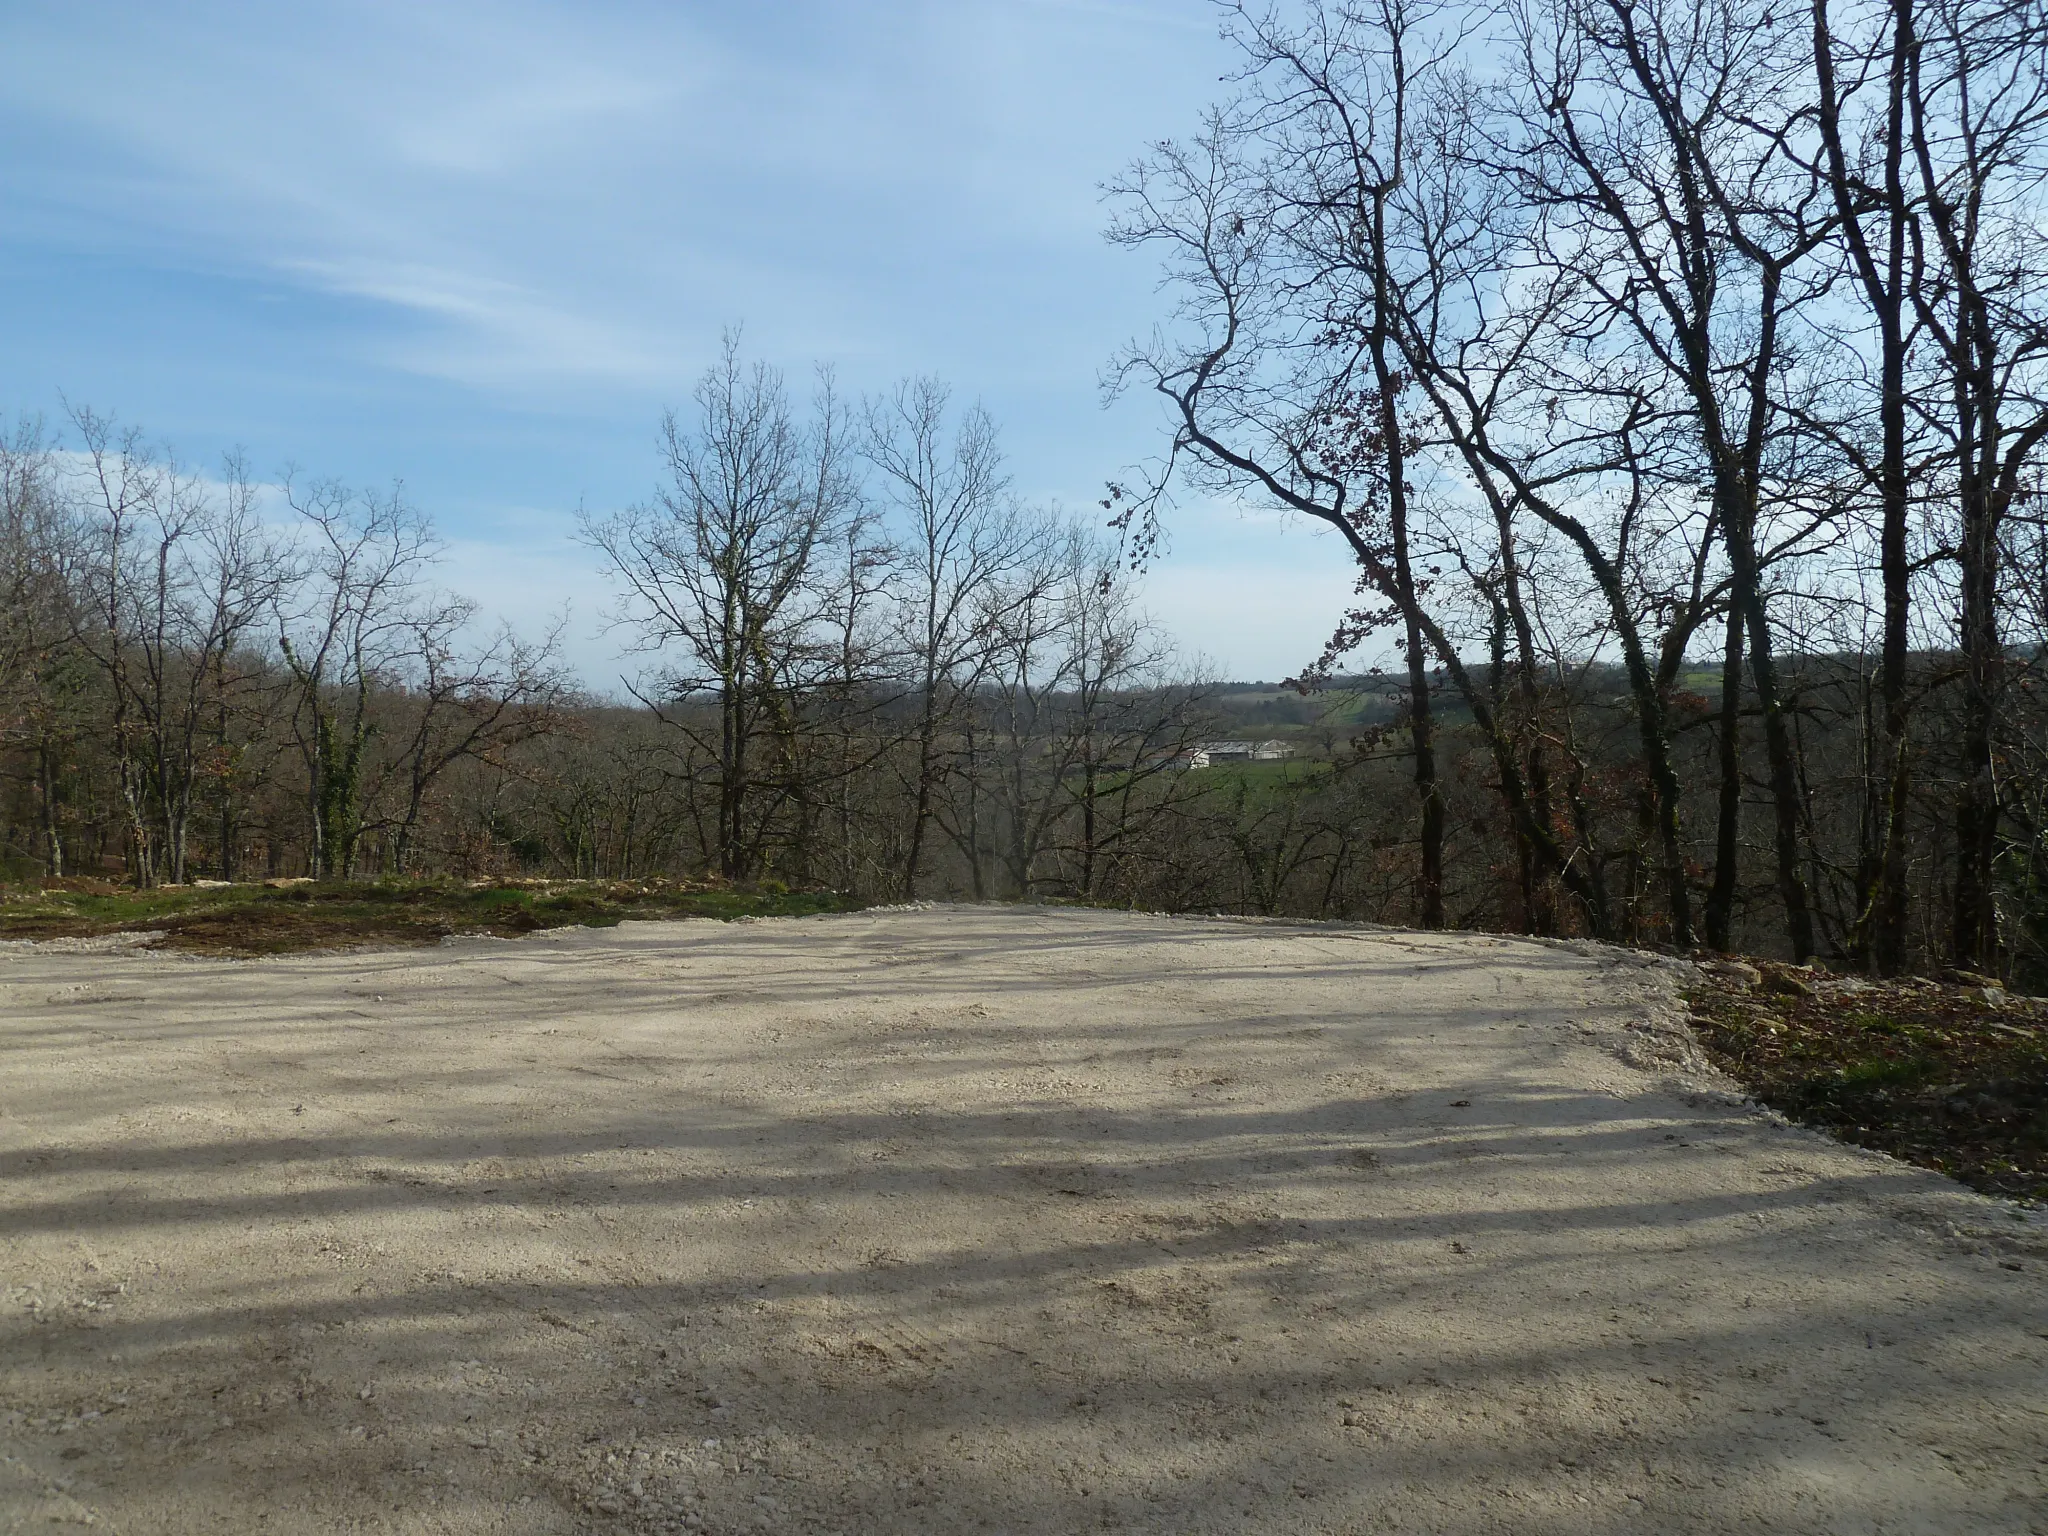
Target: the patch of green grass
(1260, 780)
(494, 900)
(287, 917)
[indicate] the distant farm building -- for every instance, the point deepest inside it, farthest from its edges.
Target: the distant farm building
(1212, 752)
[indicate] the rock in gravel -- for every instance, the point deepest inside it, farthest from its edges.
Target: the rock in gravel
(1735, 973)
(1786, 981)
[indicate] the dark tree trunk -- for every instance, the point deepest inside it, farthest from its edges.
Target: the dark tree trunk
(1881, 923)
(46, 789)
(1974, 940)
(921, 810)
(1720, 914)
(1430, 886)
(1784, 771)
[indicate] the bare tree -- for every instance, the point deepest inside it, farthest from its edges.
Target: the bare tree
(465, 703)
(124, 481)
(1977, 98)
(960, 538)
(719, 577)
(1127, 722)
(344, 625)
(1649, 143)
(856, 687)
(1259, 222)
(1866, 179)
(184, 573)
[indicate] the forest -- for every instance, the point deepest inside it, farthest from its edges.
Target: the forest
(1674, 377)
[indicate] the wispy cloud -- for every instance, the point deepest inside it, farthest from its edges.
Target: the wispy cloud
(500, 330)
(541, 181)
(474, 222)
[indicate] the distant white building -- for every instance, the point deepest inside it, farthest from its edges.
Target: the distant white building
(1211, 752)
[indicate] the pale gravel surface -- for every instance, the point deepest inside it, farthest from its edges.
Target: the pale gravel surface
(968, 1220)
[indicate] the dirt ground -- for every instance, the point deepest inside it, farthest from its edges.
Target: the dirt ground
(968, 1220)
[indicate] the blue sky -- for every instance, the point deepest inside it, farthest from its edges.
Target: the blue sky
(479, 247)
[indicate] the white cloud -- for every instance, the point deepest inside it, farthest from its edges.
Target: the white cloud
(575, 190)
(554, 209)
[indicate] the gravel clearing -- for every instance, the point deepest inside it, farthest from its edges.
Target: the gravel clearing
(969, 1220)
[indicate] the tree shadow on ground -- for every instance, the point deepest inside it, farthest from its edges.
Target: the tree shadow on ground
(883, 1266)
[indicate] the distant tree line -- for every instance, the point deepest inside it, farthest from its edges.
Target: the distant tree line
(871, 666)
(188, 686)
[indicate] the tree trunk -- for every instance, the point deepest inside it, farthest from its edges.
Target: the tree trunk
(1974, 939)
(229, 860)
(921, 808)
(1720, 914)
(1430, 886)
(1421, 734)
(46, 787)
(731, 784)
(1088, 824)
(1886, 902)
(1784, 770)
(1881, 922)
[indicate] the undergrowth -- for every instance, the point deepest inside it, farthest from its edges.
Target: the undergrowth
(281, 917)
(1949, 1075)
